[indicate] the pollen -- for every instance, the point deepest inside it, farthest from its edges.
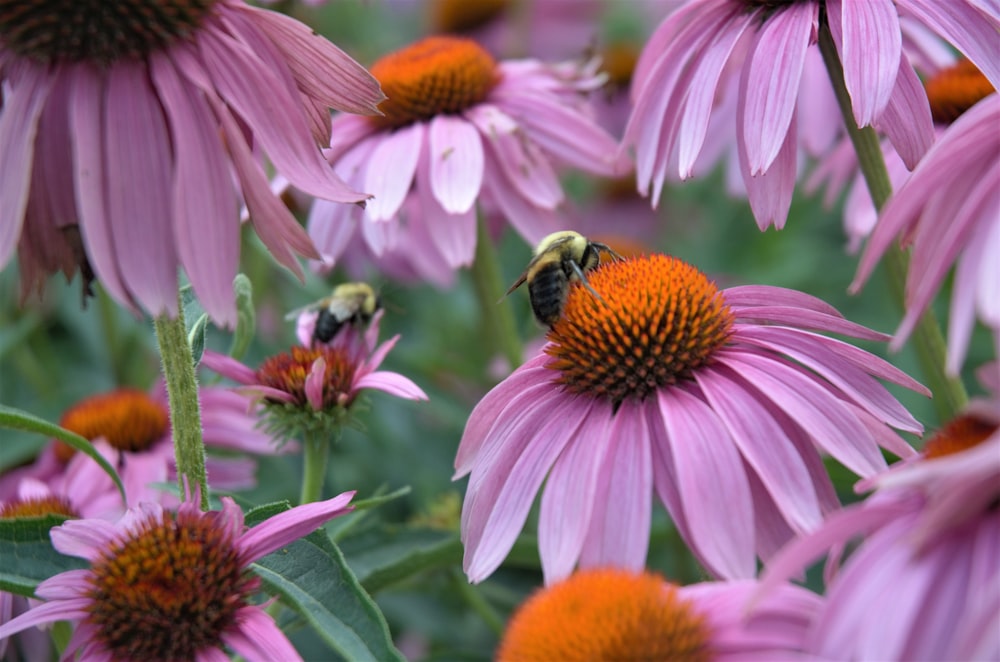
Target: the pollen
(954, 90)
(128, 419)
(605, 616)
(435, 76)
(959, 434)
(38, 507)
(168, 591)
(465, 16)
(657, 319)
(97, 31)
(288, 372)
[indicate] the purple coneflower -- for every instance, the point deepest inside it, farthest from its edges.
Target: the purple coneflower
(164, 586)
(707, 44)
(947, 212)
(925, 582)
(83, 87)
(608, 615)
(458, 128)
(135, 426)
(721, 401)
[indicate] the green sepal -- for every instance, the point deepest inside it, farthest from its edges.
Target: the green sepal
(246, 317)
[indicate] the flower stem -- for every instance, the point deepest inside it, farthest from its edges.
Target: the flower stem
(949, 393)
(477, 602)
(315, 458)
(185, 412)
(498, 322)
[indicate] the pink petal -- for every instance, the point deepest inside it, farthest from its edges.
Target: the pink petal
(711, 479)
(456, 163)
(390, 170)
(139, 205)
(83, 538)
(772, 78)
(907, 120)
(454, 235)
(527, 168)
(257, 638)
(205, 215)
(315, 383)
(50, 612)
(871, 47)
(533, 223)
(767, 295)
(285, 528)
(393, 384)
(228, 367)
(770, 192)
(972, 33)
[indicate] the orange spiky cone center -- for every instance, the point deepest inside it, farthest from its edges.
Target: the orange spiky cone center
(954, 90)
(128, 419)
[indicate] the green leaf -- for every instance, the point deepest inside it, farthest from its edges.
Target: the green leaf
(196, 338)
(27, 556)
(246, 317)
(312, 578)
(21, 420)
(386, 555)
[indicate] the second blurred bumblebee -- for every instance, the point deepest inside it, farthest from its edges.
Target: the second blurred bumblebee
(348, 304)
(559, 259)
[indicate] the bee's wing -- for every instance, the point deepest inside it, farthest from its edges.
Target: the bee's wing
(294, 314)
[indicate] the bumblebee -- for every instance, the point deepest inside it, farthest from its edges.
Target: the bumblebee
(559, 258)
(349, 303)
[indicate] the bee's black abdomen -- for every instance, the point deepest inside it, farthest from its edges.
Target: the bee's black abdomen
(547, 291)
(327, 326)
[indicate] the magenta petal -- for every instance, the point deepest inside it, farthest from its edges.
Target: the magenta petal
(769, 193)
(772, 78)
(205, 215)
(453, 235)
(228, 367)
(315, 384)
(83, 538)
(870, 48)
(390, 170)
(287, 527)
(50, 612)
(716, 495)
(257, 638)
(18, 126)
(974, 34)
(907, 118)
(139, 204)
(567, 503)
(393, 384)
(456, 163)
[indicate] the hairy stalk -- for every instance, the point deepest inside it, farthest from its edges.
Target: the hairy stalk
(497, 320)
(949, 393)
(185, 412)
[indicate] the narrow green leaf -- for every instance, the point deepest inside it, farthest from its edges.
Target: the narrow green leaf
(27, 556)
(196, 338)
(384, 556)
(246, 317)
(21, 420)
(313, 579)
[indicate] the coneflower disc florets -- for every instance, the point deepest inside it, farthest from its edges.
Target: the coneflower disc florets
(656, 320)
(128, 419)
(288, 372)
(435, 76)
(38, 507)
(96, 31)
(959, 434)
(604, 616)
(168, 591)
(954, 90)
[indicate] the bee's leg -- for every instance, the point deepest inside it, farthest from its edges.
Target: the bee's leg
(583, 279)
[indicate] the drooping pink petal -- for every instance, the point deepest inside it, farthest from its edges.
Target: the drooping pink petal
(228, 367)
(533, 223)
(870, 50)
(770, 192)
(50, 612)
(772, 76)
(139, 206)
(257, 638)
(70, 585)
(205, 217)
(393, 384)
(528, 169)
(972, 33)
(455, 152)
(907, 120)
(83, 538)
(287, 527)
(712, 481)
(315, 384)
(390, 170)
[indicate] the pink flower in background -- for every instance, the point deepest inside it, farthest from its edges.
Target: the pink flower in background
(721, 401)
(609, 615)
(84, 89)
(925, 583)
(947, 213)
(171, 586)
(132, 429)
(459, 129)
(706, 44)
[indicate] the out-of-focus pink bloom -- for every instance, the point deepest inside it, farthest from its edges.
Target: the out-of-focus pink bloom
(132, 429)
(612, 614)
(721, 401)
(148, 596)
(925, 583)
(460, 129)
(82, 91)
(947, 213)
(705, 45)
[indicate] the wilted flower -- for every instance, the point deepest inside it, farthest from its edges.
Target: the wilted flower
(164, 586)
(460, 128)
(201, 87)
(612, 615)
(721, 401)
